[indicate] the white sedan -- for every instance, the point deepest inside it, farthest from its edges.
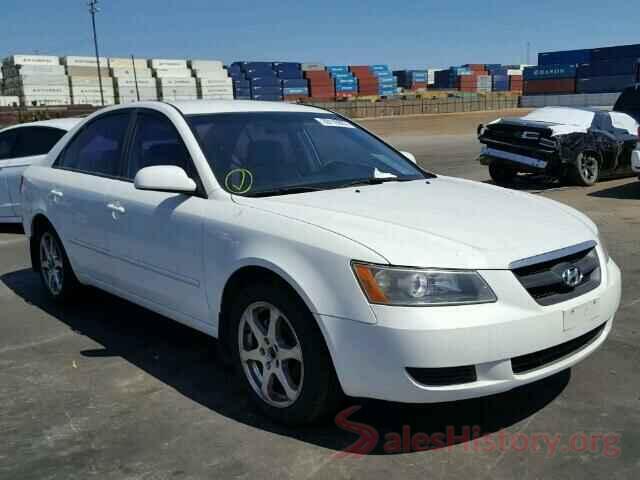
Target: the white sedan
(324, 260)
(21, 146)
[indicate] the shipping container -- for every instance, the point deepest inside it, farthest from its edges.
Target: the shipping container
(127, 63)
(608, 84)
(205, 65)
(171, 72)
(162, 63)
(266, 90)
(550, 72)
(266, 81)
(12, 71)
(311, 67)
(32, 60)
(612, 67)
(72, 61)
(562, 85)
(568, 57)
(213, 74)
(87, 71)
(618, 52)
(130, 73)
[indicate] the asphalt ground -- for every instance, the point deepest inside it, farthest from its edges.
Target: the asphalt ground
(105, 389)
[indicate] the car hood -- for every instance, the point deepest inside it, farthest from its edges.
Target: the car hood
(556, 129)
(442, 223)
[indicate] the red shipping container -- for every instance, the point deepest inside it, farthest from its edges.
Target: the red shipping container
(565, 85)
(313, 75)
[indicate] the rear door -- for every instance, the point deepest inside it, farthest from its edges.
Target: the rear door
(157, 236)
(7, 143)
(84, 175)
(32, 145)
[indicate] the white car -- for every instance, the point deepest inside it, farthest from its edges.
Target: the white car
(21, 146)
(323, 259)
(635, 161)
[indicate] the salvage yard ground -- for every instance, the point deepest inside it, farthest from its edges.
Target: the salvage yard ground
(108, 390)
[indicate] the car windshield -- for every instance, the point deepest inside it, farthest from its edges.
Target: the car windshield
(274, 153)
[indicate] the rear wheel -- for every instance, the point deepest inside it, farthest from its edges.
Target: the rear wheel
(281, 357)
(55, 270)
(502, 174)
(586, 170)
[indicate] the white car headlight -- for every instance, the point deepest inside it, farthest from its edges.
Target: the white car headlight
(416, 287)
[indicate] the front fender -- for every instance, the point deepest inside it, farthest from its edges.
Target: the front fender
(315, 262)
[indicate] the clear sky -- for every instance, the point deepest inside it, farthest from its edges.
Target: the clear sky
(402, 34)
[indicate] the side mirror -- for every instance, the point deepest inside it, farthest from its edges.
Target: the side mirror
(164, 178)
(410, 156)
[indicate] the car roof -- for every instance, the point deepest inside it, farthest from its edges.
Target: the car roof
(65, 124)
(204, 107)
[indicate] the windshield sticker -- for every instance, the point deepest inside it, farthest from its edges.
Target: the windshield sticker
(333, 122)
(239, 181)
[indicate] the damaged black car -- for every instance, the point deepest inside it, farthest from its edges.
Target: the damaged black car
(574, 145)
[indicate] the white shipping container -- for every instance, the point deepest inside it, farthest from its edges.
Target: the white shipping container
(129, 73)
(44, 91)
(218, 97)
(37, 80)
(90, 81)
(10, 71)
(204, 91)
(214, 82)
(32, 60)
(147, 93)
(177, 82)
(73, 61)
(212, 74)
(83, 91)
(37, 100)
(127, 63)
(166, 63)
(171, 72)
(512, 72)
(179, 91)
(205, 65)
(9, 101)
(93, 101)
(87, 72)
(179, 98)
(310, 67)
(131, 82)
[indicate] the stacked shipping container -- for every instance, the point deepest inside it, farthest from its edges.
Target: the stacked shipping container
(346, 84)
(212, 80)
(174, 79)
(321, 86)
(36, 80)
(132, 80)
(412, 79)
(367, 82)
(387, 83)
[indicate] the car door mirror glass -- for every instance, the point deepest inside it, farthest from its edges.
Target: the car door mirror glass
(164, 178)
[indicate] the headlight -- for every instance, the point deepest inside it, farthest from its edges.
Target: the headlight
(413, 287)
(604, 248)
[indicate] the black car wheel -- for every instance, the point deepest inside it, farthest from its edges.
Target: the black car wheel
(502, 174)
(586, 170)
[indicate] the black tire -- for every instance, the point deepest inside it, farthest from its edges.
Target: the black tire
(319, 391)
(502, 174)
(68, 282)
(585, 171)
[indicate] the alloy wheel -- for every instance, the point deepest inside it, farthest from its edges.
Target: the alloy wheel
(271, 354)
(51, 263)
(589, 168)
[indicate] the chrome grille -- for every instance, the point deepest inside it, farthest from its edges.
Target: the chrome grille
(542, 276)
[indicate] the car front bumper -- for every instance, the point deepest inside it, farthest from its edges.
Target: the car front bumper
(372, 360)
(635, 161)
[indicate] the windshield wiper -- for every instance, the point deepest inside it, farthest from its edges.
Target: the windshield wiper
(373, 181)
(284, 191)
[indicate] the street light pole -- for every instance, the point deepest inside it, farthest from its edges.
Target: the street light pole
(93, 9)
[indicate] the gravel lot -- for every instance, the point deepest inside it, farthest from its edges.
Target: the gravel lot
(108, 390)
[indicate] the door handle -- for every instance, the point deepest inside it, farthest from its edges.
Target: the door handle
(56, 195)
(116, 207)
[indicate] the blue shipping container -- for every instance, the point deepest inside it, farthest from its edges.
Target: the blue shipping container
(295, 83)
(242, 83)
(610, 84)
(346, 88)
(568, 57)
(342, 76)
(242, 92)
(606, 68)
(266, 82)
(290, 75)
(266, 90)
(550, 72)
(296, 91)
(260, 73)
(338, 69)
(286, 66)
(612, 53)
(267, 98)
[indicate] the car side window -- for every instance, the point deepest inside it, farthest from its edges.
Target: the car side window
(7, 142)
(97, 149)
(36, 141)
(156, 142)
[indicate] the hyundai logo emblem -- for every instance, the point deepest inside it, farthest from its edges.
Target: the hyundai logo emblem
(572, 277)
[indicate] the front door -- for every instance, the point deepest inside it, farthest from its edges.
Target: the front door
(7, 143)
(157, 236)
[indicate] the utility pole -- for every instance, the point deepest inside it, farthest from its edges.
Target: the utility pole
(135, 76)
(528, 53)
(93, 9)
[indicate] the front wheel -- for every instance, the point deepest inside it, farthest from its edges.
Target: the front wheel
(55, 270)
(585, 171)
(281, 357)
(502, 174)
